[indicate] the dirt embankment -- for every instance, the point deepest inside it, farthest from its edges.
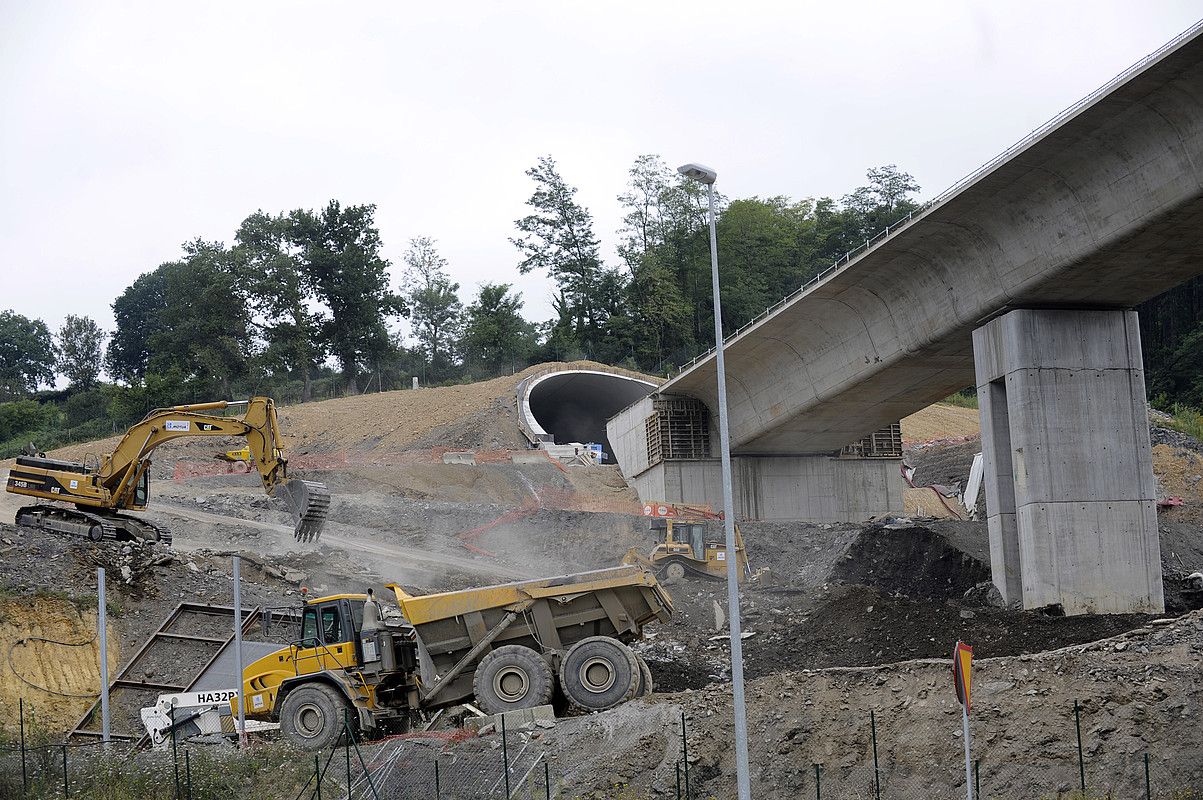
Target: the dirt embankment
(851, 596)
(51, 660)
(940, 421)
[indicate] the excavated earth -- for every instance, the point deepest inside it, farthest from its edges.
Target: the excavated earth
(840, 619)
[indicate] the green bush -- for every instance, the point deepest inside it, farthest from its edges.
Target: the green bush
(21, 417)
(962, 399)
(1187, 420)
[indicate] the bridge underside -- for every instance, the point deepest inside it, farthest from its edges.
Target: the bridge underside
(1105, 211)
(1095, 215)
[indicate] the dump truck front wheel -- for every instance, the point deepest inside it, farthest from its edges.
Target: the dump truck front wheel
(312, 716)
(599, 673)
(512, 677)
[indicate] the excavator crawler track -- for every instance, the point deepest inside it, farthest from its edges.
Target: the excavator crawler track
(90, 525)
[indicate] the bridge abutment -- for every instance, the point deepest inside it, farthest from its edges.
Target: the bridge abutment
(664, 447)
(1070, 496)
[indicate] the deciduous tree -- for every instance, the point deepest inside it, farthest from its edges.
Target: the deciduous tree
(496, 337)
(558, 237)
(26, 355)
(78, 347)
(340, 253)
(281, 293)
(434, 306)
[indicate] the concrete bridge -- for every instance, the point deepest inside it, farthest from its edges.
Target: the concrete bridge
(1020, 280)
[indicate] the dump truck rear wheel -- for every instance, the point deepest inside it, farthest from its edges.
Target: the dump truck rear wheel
(312, 716)
(599, 673)
(646, 684)
(512, 677)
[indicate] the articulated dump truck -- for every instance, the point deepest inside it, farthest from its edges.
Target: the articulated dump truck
(502, 648)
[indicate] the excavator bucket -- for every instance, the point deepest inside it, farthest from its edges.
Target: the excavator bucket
(309, 502)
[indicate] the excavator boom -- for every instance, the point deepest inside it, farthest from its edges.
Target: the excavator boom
(120, 481)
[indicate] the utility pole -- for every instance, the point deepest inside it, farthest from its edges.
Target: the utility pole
(238, 653)
(708, 176)
(102, 635)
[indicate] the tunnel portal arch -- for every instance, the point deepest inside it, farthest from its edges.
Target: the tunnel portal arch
(573, 405)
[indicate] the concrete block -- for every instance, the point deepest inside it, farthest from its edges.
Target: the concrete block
(459, 457)
(528, 457)
(522, 719)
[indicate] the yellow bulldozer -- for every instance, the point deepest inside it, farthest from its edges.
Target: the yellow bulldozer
(90, 495)
(690, 541)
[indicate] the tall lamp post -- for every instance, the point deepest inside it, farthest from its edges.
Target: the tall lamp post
(707, 176)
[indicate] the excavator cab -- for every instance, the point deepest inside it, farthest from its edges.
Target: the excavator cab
(141, 492)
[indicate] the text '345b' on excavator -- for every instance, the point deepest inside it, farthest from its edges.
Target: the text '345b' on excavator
(95, 493)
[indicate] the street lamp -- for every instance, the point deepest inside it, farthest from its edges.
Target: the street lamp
(708, 176)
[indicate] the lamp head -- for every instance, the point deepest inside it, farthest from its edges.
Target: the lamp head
(698, 172)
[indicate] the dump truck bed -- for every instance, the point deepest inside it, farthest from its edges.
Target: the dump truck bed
(455, 629)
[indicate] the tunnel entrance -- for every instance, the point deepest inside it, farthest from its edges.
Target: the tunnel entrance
(573, 405)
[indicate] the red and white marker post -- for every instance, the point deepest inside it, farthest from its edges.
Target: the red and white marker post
(962, 676)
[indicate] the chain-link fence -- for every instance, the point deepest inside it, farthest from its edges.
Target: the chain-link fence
(657, 750)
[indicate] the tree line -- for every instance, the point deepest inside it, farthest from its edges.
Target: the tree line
(304, 300)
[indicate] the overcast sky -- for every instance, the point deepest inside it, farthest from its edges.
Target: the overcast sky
(128, 128)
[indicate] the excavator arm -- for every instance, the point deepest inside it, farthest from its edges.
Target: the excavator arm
(115, 484)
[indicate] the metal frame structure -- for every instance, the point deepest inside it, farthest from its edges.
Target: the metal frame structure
(124, 682)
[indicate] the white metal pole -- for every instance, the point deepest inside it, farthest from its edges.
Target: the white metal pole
(102, 633)
(238, 653)
(737, 651)
(968, 762)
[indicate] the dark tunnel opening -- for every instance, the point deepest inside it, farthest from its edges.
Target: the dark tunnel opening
(574, 406)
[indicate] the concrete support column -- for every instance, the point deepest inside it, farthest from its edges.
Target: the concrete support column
(1069, 474)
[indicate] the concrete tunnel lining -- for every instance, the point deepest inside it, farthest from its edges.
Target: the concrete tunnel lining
(573, 405)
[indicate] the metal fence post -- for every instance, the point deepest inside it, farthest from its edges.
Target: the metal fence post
(24, 773)
(1081, 761)
(876, 771)
(547, 778)
(317, 775)
(175, 758)
(818, 784)
(685, 754)
(505, 758)
(438, 783)
(1148, 784)
(977, 778)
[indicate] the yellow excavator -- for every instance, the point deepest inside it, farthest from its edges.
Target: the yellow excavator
(689, 541)
(97, 490)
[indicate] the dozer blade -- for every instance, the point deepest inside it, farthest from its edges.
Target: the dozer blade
(309, 502)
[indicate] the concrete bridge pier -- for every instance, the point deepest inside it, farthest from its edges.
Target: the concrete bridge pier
(1070, 494)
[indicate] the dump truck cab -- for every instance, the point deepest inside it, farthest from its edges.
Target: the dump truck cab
(334, 662)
